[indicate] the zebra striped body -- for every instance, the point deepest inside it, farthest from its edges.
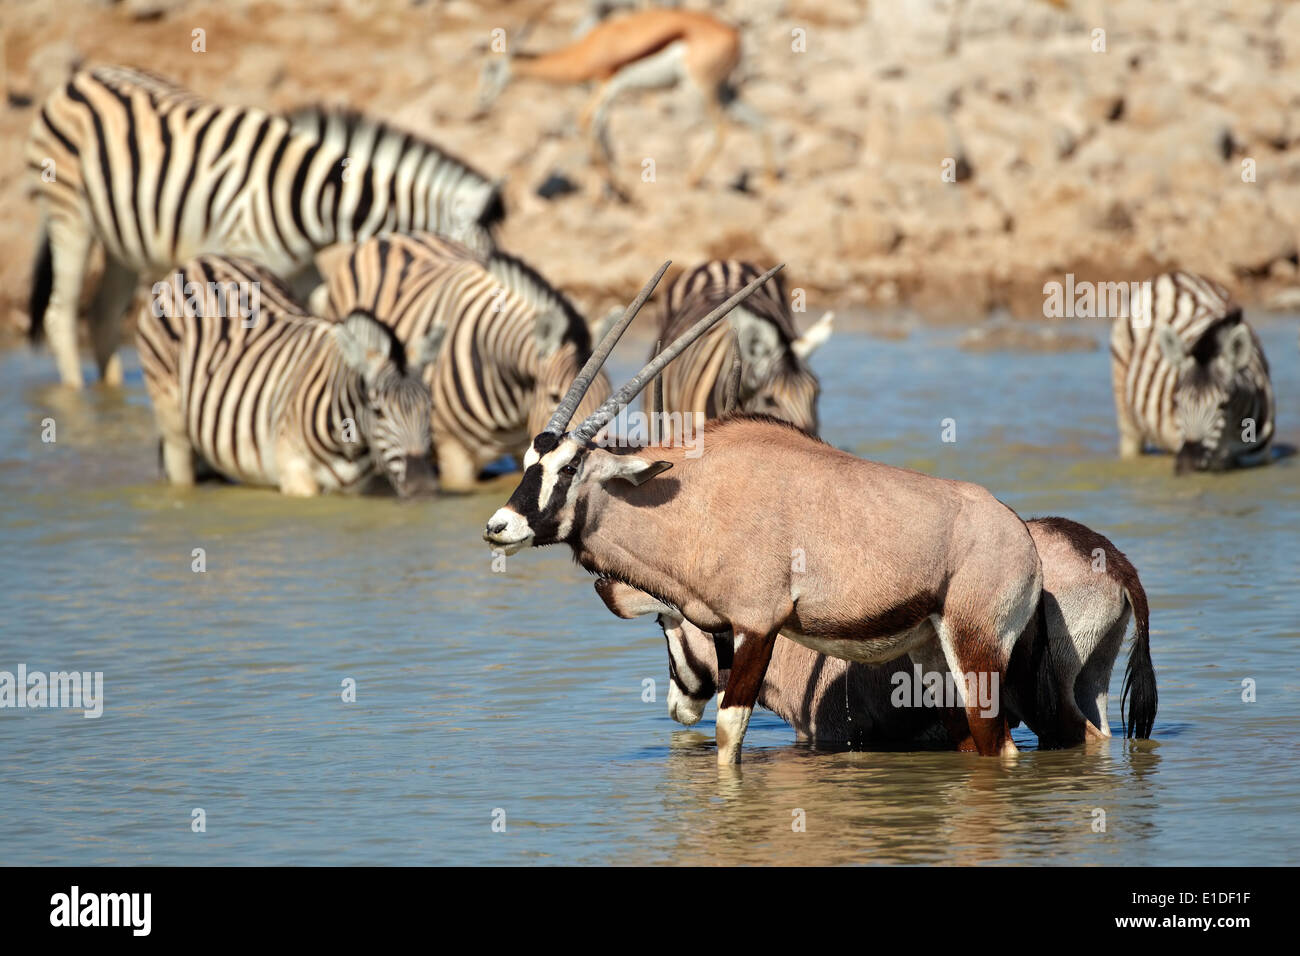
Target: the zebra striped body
(1190, 376)
(774, 377)
(269, 395)
(513, 344)
(156, 175)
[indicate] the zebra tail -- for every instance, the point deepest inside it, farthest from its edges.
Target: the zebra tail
(1139, 675)
(42, 286)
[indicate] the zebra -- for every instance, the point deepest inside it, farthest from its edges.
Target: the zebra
(514, 344)
(1190, 377)
(266, 394)
(774, 378)
(154, 175)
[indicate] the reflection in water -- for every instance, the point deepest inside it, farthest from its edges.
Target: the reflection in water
(879, 807)
(478, 690)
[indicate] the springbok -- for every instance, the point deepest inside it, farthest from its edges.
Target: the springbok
(885, 562)
(647, 49)
(1089, 590)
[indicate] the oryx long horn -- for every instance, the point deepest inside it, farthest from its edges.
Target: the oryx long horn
(597, 420)
(731, 390)
(569, 404)
(657, 409)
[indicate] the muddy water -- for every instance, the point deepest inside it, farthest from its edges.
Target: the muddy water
(518, 694)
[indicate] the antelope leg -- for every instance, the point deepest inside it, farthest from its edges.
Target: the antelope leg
(753, 652)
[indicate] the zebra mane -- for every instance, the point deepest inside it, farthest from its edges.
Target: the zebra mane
(764, 304)
(316, 118)
(525, 281)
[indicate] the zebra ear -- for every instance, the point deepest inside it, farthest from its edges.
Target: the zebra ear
(366, 344)
(549, 328)
(423, 352)
(814, 338)
(1171, 346)
(1237, 347)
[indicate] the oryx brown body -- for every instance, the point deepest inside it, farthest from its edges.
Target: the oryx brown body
(1089, 591)
(892, 559)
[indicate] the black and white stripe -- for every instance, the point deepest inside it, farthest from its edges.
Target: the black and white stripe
(514, 344)
(1190, 377)
(774, 378)
(278, 397)
(156, 175)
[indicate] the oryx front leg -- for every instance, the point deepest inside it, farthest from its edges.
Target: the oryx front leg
(752, 653)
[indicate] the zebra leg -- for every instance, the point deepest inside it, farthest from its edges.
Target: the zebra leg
(457, 469)
(177, 452)
(70, 243)
(1130, 434)
(116, 289)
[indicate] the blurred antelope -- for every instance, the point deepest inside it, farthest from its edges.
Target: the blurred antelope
(893, 561)
(647, 49)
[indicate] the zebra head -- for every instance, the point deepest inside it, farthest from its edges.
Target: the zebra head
(1213, 395)
(394, 404)
(693, 669)
(774, 375)
(474, 212)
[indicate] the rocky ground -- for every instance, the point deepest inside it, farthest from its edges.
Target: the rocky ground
(1178, 144)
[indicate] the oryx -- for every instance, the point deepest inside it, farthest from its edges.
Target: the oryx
(773, 532)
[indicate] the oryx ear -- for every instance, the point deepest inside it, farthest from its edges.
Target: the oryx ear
(629, 468)
(366, 344)
(1171, 346)
(425, 350)
(549, 328)
(815, 337)
(1237, 347)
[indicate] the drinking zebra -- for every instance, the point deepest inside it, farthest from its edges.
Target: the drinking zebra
(774, 377)
(265, 394)
(513, 346)
(1190, 376)
(156, 175)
